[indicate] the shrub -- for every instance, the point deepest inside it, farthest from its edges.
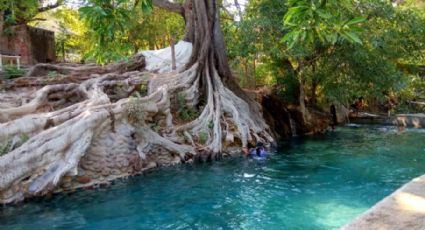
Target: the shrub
(5, 147)
(24, 138)
(184, 112)
(9, 145)
(202, 138)
(52, 74)
(12, 71)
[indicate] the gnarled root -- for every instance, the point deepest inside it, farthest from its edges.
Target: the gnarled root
(67, 137)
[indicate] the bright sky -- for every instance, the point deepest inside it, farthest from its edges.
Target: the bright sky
(230, 4)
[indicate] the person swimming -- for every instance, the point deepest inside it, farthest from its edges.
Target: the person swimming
(259, 151)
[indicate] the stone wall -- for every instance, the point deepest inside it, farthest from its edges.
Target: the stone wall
(34, 45)
(404, 120)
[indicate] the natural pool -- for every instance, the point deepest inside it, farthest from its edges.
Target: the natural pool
(314, 183)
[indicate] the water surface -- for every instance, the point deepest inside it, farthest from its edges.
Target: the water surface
(314, 183)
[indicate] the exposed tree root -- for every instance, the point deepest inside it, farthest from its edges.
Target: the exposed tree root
(59, 139)
(95, 122)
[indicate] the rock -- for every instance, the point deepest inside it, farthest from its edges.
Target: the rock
(115, 172)
(66, 185)
(151, 165)
(230, 138)
(105, 173)
(342, 114)
(277, 115)
(16, 188)
(176, 160)
(81, 172)
(95, 176)
(66, 179)
(83, 180)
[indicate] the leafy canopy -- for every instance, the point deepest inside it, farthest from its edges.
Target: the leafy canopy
(324, 20)
(108, 21)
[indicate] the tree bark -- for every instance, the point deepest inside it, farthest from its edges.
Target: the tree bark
(301, 81)
(170, 6)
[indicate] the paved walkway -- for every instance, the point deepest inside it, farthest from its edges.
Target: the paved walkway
(402, 210)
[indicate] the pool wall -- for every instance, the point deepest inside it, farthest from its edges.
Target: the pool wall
(403, 209)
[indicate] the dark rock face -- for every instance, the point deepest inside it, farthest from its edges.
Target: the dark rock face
(287, 120)
(319, 122)
(277, 115)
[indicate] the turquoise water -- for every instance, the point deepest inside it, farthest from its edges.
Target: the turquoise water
(314, 183)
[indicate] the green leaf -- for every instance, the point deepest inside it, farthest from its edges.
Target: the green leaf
(353, 37)
(356, 20)
(323, 14)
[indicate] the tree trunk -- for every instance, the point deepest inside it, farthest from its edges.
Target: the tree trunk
(239, 9)
(303, 108)
(254, 70)
(313, 92)
(92, 119)
(173, 54)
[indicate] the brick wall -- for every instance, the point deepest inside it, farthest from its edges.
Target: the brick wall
(34, 45)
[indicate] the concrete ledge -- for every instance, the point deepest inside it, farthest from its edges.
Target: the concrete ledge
(411, 120)
(402, 210)
(407, 120)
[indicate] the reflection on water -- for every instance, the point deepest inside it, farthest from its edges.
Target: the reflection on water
(314, 183)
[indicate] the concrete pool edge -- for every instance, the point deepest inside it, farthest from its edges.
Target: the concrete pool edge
(403, 209)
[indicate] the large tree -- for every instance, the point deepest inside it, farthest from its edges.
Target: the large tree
(66, 122)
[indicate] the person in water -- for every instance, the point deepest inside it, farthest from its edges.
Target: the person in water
(258, 151)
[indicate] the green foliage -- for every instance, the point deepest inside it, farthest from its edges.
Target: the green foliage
(154, 30)
(71, 33)
(52, 74)
(18, 11)
(330, 47)
(12, 71)
(155, 126)
(210, 124)
(24, 138)
(5, 147)
(202, 138)
(117, 29)
(106, 31)
(143, 89)
(185, 112)
(413, 95)
(108, 22)
(8, 145)
(309, 21)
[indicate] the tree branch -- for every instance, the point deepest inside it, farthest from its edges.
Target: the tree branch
(37, 19)
(170, 6)
(50, 7)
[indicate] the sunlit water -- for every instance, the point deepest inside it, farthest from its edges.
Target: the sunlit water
(315, 183)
